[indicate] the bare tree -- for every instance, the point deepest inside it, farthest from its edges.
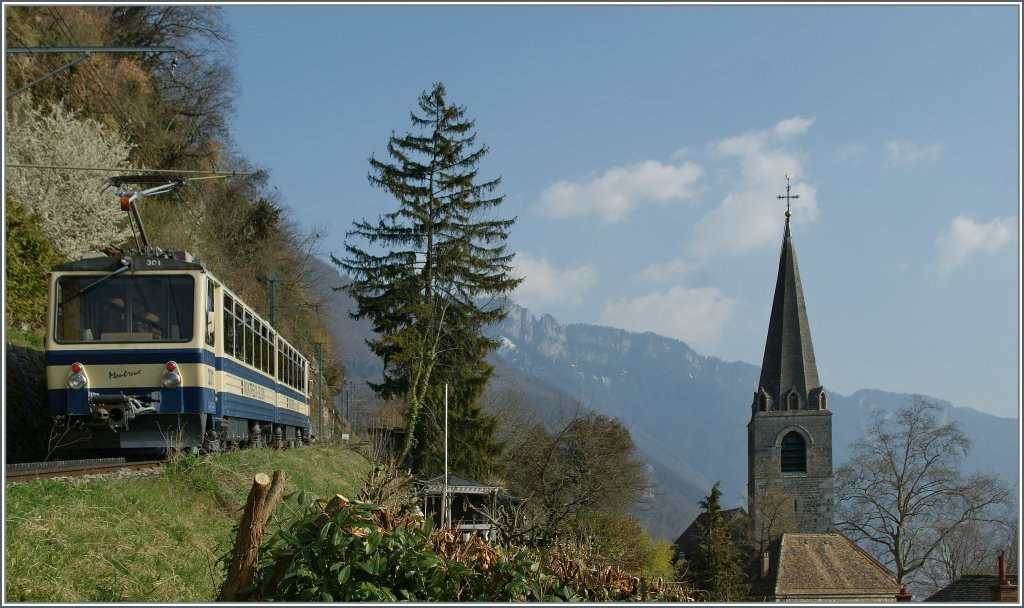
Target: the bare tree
(902, 495)
(973, 550)
(585, 464)
(773, 511)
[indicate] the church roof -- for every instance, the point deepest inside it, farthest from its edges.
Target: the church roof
(823, 566)
(788, 354)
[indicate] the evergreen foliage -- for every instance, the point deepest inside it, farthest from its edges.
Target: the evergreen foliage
(28, 258)
(430, 275)
(713, 565)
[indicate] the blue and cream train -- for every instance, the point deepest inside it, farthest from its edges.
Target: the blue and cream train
(149, 352)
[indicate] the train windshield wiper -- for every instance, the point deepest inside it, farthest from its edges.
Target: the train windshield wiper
(126, 264)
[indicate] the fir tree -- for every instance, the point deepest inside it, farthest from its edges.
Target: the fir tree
(714, 566)
(430, 277)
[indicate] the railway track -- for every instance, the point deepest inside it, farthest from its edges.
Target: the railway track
(74, 468)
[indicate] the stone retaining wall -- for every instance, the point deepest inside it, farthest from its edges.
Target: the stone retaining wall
(27, 421)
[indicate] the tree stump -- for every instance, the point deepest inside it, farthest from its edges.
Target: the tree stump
(263, 498)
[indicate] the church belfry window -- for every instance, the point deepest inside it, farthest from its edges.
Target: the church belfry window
(793, 401)
(794, 453)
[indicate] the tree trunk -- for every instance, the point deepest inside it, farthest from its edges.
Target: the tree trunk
(263, 498)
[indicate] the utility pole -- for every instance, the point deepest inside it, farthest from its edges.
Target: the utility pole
(446, 515)
(270, 297)
(317, 348)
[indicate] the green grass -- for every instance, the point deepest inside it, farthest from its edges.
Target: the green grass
(150, 539)
(24, 336)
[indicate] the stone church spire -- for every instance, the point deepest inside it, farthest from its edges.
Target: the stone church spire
(788, 368)
(789, 436)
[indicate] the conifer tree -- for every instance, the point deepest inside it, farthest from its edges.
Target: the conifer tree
(714, 566)
(430, 276)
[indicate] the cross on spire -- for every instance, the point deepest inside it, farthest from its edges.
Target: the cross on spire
(788, 197)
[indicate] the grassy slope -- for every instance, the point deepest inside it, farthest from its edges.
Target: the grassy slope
(155, 539)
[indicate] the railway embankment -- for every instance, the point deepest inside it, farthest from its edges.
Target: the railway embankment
(153, 538)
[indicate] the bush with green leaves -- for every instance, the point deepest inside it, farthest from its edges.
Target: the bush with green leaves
(361, 552)
(29, 258)
(348, 557)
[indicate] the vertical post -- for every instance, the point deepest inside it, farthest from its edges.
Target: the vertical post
(446, 515)
(349, 388)
(319, 391)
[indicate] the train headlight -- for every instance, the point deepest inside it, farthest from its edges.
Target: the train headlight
(172, 377)
(77, 380)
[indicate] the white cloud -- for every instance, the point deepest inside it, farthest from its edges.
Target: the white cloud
(750, 214)
(752, 141)
(682, 153)
(695, 316)
(965, 237)
(543, 284)
(665, 273)
(619, 190)
(905, 153)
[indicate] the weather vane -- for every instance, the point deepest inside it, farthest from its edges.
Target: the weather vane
(788, 198)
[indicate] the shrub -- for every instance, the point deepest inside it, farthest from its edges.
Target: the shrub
(29, 258)
(360, 552)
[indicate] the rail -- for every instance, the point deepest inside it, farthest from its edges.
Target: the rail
(73, 468)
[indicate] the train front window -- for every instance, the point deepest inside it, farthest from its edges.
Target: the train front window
(125, 309)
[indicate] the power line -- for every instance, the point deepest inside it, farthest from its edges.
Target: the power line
(134, 170)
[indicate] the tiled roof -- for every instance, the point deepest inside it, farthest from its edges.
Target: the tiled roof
(821, 566)
(969, 588)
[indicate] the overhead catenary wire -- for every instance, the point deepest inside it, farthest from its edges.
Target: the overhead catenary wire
(207, 174)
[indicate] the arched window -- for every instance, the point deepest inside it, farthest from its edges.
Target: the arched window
(821, 401)
(794, 453)
(793, 401)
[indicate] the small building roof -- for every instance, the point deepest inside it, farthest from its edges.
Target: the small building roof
(823, 566)
(969, 588)
(456, 484)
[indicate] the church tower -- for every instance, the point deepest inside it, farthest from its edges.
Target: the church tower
(789, 436)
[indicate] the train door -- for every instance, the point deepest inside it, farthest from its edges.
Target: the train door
(214, 347)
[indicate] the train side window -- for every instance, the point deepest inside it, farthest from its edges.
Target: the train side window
(209, 313)
(258, 346)
(239, 332)
(229, 325)
(267, 350)
(280, 362)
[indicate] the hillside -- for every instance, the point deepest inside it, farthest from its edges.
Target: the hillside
(150, 538)
(686, 412)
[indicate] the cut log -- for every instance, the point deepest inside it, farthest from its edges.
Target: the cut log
(263, 498)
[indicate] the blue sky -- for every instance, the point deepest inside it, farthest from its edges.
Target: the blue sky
(642, 148)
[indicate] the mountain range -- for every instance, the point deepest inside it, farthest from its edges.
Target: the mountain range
(687, 413)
